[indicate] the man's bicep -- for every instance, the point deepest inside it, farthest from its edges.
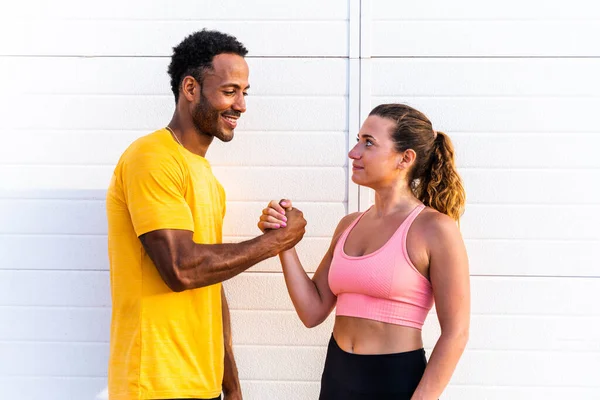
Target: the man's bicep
(164, 247)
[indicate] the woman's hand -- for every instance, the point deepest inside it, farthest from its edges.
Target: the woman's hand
(273, 216)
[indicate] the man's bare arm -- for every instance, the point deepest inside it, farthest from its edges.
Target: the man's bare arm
(184, 264)
(231, 381)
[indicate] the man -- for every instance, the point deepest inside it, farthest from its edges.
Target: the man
(170, 332)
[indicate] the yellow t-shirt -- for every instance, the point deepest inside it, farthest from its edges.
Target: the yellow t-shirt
(163, 344)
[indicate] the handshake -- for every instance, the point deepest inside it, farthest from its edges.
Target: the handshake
(283, 222)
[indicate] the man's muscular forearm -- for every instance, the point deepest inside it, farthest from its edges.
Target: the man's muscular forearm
(184, 264)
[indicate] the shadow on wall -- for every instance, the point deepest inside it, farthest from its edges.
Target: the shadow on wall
(57, 297)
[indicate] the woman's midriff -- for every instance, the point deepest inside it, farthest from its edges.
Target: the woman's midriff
(365, 336)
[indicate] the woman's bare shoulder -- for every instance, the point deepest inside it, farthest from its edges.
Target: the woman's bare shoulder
(434, 224)
(344, 223)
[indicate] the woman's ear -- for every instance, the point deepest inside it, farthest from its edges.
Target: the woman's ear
(407, 159)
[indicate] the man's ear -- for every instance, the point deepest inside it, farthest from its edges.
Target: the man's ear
(189, 86)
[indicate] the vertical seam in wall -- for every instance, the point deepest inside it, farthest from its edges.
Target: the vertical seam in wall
(354, 32)
(364, 194)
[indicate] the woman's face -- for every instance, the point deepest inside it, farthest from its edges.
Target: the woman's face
(374, 159)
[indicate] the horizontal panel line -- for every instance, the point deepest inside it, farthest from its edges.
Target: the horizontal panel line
(179, 20)
(54, 269)
(293, 312)
(536, 276)
(55, 342)
(50, 306)
(123, 132)
(300, 166)
(314, 347)
(213, 165)
(39, 377)
(487, 97)
(111, 130)
(88, 234)
(246, 237)
(433, 314)
(253, 201)
(100, 95)
(42, 376)
(10, 55)
(544, 20)
(326, 202)
(259, 272)
(317, 382)
(507, 57)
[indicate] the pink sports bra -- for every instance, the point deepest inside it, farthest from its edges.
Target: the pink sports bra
(384, 285)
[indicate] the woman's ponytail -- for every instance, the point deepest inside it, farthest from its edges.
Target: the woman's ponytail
(440, 187)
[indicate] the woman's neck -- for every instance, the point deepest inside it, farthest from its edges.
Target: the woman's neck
(394, 199)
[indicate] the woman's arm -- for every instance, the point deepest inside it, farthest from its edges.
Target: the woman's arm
(449, 274)
(312, 298)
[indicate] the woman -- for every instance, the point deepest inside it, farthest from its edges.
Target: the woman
(385, 267)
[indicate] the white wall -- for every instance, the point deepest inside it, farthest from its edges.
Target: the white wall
(515, 85)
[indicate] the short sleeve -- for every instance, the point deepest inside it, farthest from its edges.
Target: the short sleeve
(154, 186)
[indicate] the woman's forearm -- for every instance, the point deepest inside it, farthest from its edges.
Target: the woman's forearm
(303, 291)
(441, 365)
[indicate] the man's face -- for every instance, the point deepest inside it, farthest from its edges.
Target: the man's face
(221, 97)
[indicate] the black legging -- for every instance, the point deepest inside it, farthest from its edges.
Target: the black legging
(348, 376)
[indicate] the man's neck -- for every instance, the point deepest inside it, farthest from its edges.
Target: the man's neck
(188, 135)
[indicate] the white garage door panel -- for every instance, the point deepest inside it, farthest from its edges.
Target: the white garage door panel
(152, 112)
(473, 9)
(157, 38)
(291, 148)
(80, 147)
(53, 252)
(489, 392)
(51, 388)
(479, 221)
(534, 257)
(186, 10)
(55, 288)
(567, 151)
(531, 222)
(487, 257)
(326, 184)
(488, 332)
(55, 324)
(89, 217)
(22, 359)
(288, 390)
(484, 38)
(483, 115)
(510, 186)
(491, 295)
(148, 76)
(284, 328)
(485, 77)
(81, 252)
(511, 367)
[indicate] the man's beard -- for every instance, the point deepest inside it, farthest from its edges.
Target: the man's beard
(206, 120)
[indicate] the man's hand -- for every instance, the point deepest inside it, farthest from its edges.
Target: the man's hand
(280, 219)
